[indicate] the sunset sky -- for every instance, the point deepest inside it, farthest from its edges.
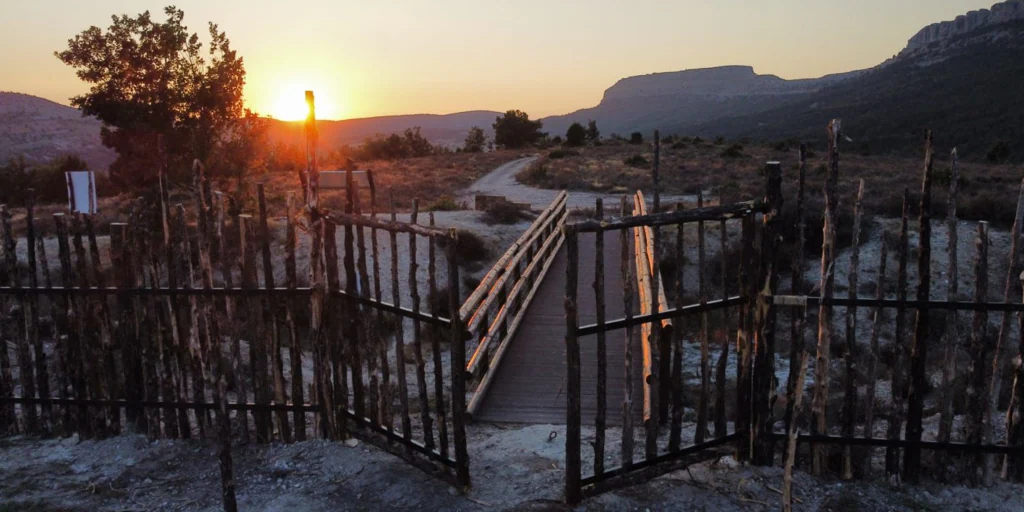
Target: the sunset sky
(369, 58)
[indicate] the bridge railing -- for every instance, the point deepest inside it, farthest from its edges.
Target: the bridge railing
(494, 311)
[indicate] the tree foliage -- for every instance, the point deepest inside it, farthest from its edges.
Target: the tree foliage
(48, 180)
(593, 134)
(411, 144)
(162, 99)
(576, 135)
(514, 130)
(636, 138)
(476, 140)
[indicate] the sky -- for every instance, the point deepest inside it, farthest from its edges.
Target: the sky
(385, 57)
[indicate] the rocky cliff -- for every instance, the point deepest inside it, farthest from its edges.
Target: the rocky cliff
(1010, 10)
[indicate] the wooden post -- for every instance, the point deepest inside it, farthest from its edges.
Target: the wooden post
(744, 352)
(241, 389)
(824, 353)
(764, 319)
(1013, 270)
(417, 341)
(675, 435)
(602, 349)
(627, 298)
(721, 426)
(705, 348)
(323, 390)
(435, 344)
(798, 318)
(892, 461)
(949, 364)
(26, 372)
(352, 334)
(919, 351)
(42, 374)
(1013, 464)
(976, 377)
(295, 349)
(396, 298)
(256, 332)
(573, 467)
(75, 353)
(386, 417)
(664, 345)
(369, 338)
(872, 360)
(336, 345)
(109, 372)
(271, 317)
(850, 382)
(458, 364)
(797, 396)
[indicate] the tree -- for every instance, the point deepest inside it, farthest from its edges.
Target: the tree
(576, 135)
(636, 138)
(593, 134)
(476, 140)
(162, 103)
(514, 130)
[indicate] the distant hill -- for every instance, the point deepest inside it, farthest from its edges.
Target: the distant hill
(39, 130)
(447, 130)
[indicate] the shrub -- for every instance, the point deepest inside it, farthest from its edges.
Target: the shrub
(534, 174)
(562, 153)
(679, 145)
(576, 135)
(504, 213)
(733, 151)
(636, 138)
(471, 248)
(636, 161)
(719, 140)
(998, 152)
(444, 204)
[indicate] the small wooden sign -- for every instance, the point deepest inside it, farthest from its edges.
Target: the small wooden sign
(81, 192)
(337, 180)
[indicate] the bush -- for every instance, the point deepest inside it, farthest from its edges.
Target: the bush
(444, 204)
(576, 135)
(504, 213)
(636, 138)
(998, 152)
(733, 151)
(679, 145)
(535, 174)
(562, 153)
(471, 249)
(719, 140)
(636, 161)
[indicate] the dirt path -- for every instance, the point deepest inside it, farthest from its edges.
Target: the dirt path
(502, 182)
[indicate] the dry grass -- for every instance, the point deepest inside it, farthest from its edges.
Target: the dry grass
(988, 192)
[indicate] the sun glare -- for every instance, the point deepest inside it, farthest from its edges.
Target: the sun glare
(290, 105)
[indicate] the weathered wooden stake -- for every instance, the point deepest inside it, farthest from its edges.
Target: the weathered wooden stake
(892, 453)
(602, 349)
(573, 467)
(850, 380)
(627, 298)
(977, 371)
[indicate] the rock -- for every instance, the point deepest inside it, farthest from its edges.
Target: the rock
(352, 442)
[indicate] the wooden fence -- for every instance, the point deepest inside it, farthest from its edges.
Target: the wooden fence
(179, 337)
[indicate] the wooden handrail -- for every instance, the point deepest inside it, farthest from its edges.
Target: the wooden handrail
(643, 237)
(473, 302)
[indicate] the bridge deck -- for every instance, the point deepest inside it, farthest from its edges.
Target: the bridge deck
(529, 385)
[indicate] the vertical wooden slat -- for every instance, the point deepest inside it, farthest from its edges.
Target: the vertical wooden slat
(295, 346)
(705, 347)
(573, 467)
(386, 416)
(417, 341)
(227, 269)
(892, 462)
(1013, 464)
(627, 299)
(664, 345)
(256, 331)
(396, 298)
(109, 375)
(873, 353)
(26, 372)
(998, 363)
(352, 332)
(798, 317)
(370, 339)
(602, 349)
(721, 427)
(271, 316)
(8, 415)
(75, 354)
(435, 344)
(336, 344)
(765, 319)
(824, 353)
(952, 335)
(42, 373)
(796, 396)
(744, 337)
(978, 367)
(658, 410)
(850, 383)
(323, 390)
(195, 351)
(675, 435)
(919, 350)
(458, 365)
(91, 344)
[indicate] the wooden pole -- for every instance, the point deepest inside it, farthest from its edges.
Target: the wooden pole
(872, 360)
(1013, 465)
(627, 297)
(572, 349)
(32, 310)
(765, 320)
(368, 328)
(352, 334)
(602, 348)
(396, 298)
(721, 426)
(798, 395)
(798, 318)
(850, 379)
(744, 336)
(458, 363)
(1013, 270)
(919, 350)
(976, 377)
(23, 346)
(705, 348)
(824, 354)
(270, 316)
(336, 349)
(435, 343)
(892, 462)
(675, 435)
(949, 365)
(417, 341)
(323, 390)
(295, 349)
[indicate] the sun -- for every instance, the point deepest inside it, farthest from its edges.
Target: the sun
(290, 104)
